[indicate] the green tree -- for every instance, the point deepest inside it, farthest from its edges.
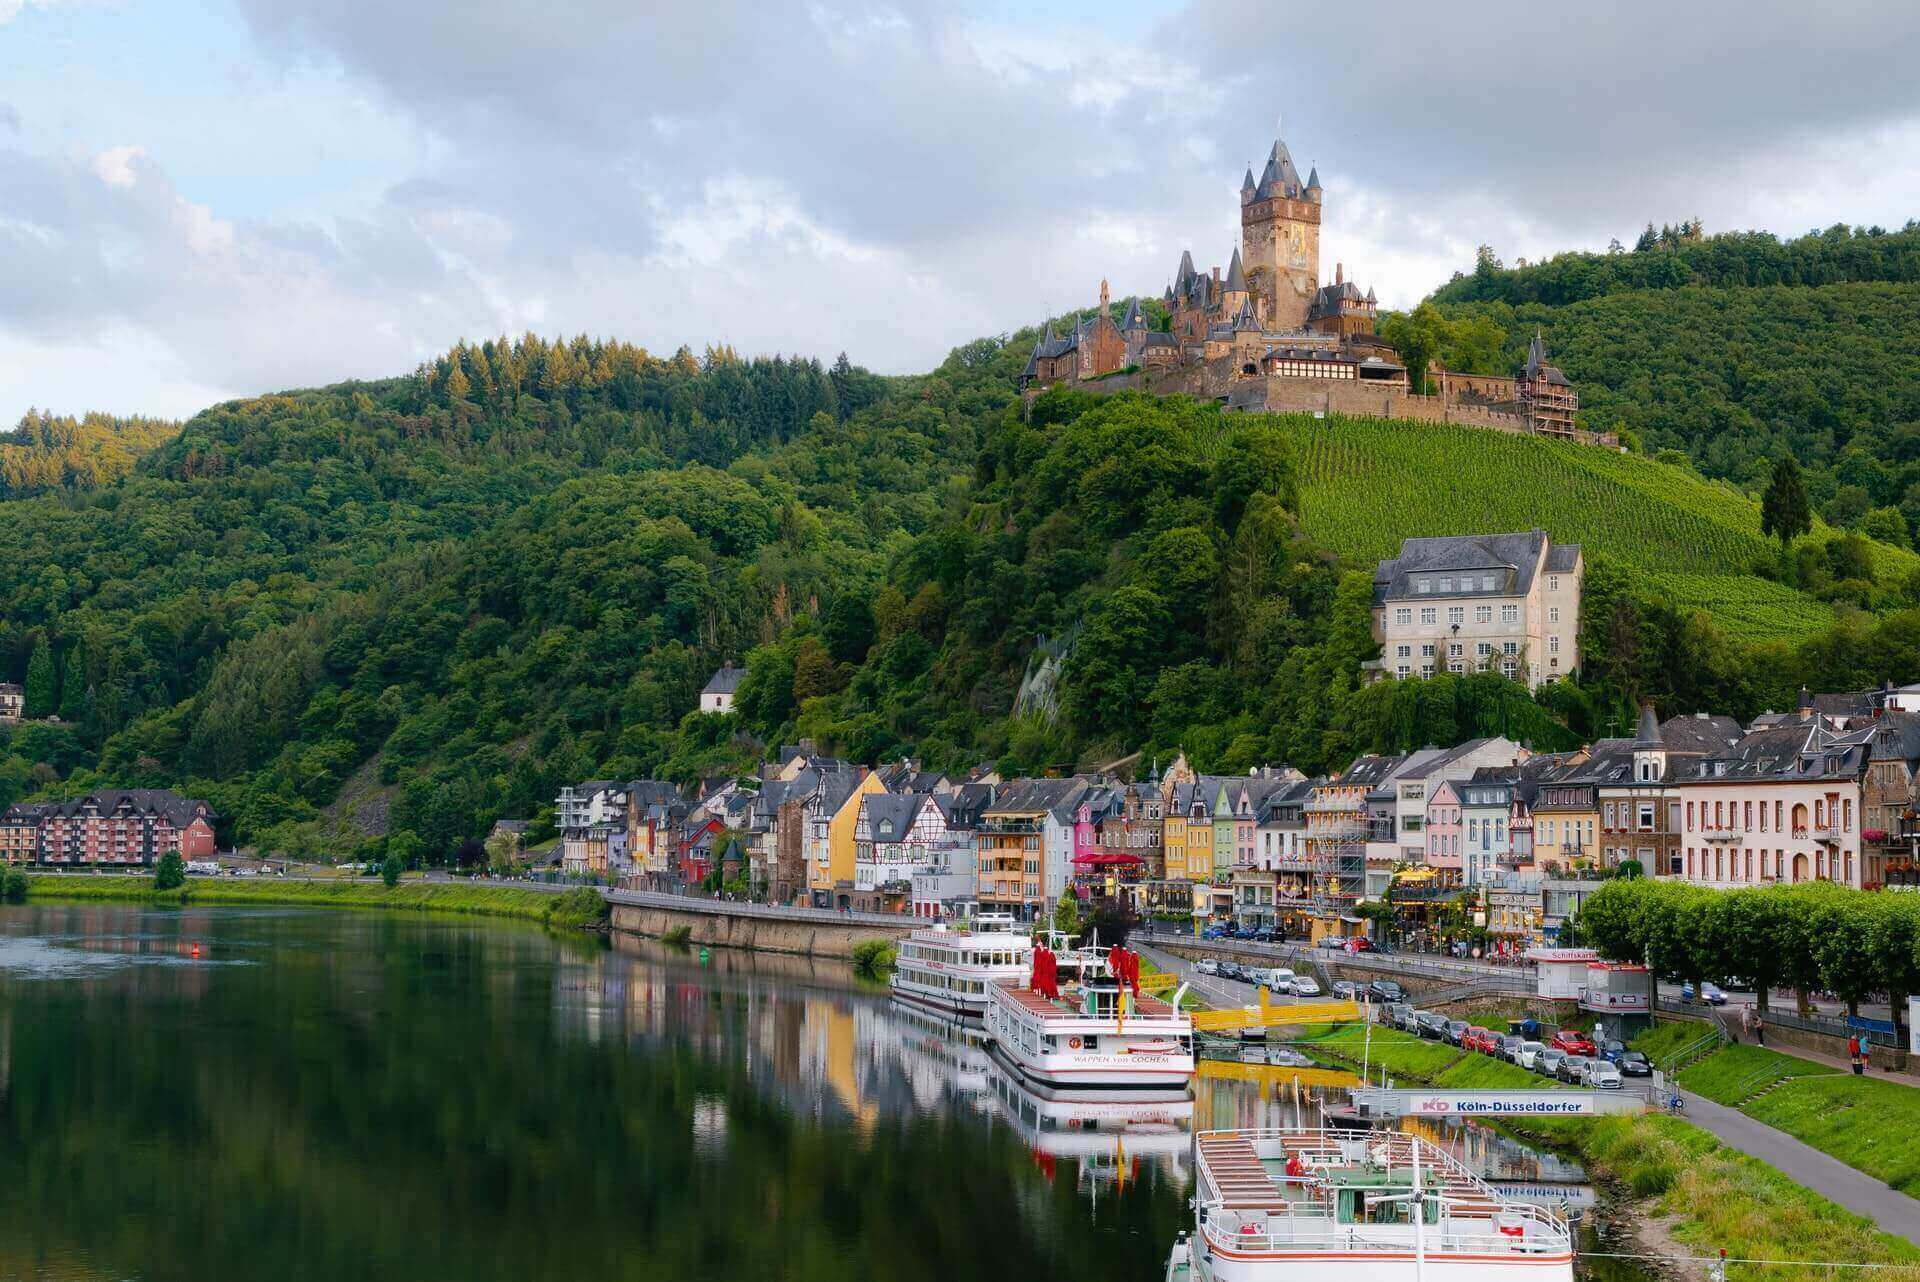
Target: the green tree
(1784, 511)
(390, 868)
(42, 693)
(73, 686)
(171, 872)
(1066, 913)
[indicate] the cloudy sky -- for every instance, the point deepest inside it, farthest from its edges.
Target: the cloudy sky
(208, 198)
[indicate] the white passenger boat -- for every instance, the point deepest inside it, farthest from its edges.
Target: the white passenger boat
(947, 968)
(1092, 1036)
(1341, 1206)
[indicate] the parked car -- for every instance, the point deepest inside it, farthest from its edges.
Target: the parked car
(1709, 993)
(1456, 1029)
(1573, 1042)
(1215, 932)
(1474, 1038)
(1528, 1054)
(1396, 1014)
(1206, 966)
(1505, 1046)
(1633, 1064)
(1433, 1026)
(1359, 944)
(1346, 989)
(1262, 936)
(1385, 990)
(1602, 1075)
(1279, 979)
(1611, 1049)
(1547, 1062)
(1305, 986)
(1572, 1070)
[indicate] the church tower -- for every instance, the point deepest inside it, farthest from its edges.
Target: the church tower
(1280, 240)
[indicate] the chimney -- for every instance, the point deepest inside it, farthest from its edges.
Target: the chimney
(1216, 273)
(1103, 294)
(1339, 273)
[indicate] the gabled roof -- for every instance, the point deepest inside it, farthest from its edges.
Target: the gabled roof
(1244, 321)
(725, 681)
(1136, 319)
(1700, 733)
(893, 811)
(164, 803)
(1425, 765)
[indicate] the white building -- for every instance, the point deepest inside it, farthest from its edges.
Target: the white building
(1469, 603)
(717, 695)
(1782, 805)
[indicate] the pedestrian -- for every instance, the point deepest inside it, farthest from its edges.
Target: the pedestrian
(1759, 1029)
(1866, 1054)
(1853, 1053)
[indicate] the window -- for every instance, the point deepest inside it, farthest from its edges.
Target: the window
(1483, 649)
(1456, 614)
(1427, 616)
(1553, 614)
(1403, 651)
(1446, 585)
(1510, 647)
(1423, 585)
(1403, 617)
(1646, 816)
(1509, 614)
(1426, 651)
(1401, 671)
(1455, 649)
(1426, 669)
(1553, 645)
(1553, 583)
(1483, 614)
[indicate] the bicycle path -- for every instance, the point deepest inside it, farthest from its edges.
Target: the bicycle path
(1891, 1210)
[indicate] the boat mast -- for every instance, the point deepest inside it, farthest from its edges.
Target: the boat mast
(1419, 1219)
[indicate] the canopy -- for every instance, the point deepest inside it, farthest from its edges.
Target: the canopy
(1115, 859)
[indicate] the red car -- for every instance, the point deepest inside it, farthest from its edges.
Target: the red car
(1475, 1039)
(1573, 1042)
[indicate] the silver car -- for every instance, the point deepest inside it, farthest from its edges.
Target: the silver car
(1305, 986)
(1526, 1053)
(1602, 1076)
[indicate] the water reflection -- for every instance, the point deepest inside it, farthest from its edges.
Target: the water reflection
(386, 1097)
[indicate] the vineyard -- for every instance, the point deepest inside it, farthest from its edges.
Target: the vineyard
(1366, 484)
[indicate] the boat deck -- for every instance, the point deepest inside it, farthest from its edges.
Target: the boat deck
(1145, 1006)
(1247, 1182)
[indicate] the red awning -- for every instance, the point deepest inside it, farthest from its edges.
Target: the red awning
(1107, 861)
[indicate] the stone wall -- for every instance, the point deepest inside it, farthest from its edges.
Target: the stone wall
(713, 925)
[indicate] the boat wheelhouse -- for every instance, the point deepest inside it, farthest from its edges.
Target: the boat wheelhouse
(1345, 1206)
(947, 969)
(1095, 1035)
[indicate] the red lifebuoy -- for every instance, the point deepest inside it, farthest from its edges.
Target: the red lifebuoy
(1073, 1043)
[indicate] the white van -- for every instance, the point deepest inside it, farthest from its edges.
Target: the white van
(1279, 980)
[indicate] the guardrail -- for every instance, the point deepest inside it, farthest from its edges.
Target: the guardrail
(1387, 965)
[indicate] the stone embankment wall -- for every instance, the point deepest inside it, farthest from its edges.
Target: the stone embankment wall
(729, 925)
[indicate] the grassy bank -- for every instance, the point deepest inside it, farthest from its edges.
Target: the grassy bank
(567, 910)
(1715, 1196)
(1870, 1123)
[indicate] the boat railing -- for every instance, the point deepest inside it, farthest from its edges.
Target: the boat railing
(1516, 1228)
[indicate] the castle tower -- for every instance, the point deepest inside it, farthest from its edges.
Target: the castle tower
(1280, 239)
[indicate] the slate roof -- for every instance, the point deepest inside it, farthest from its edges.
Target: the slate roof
(725, 681)
(1421, 766)
(1279, 177)
(896, 810)
(1805, 751)
(1649, 733)
(1700, 733)
(1236, 275)
(1313, 179)
(1368, 770)
(1058, 797)
(1136, 319)
(1512, 559)
(165, 803)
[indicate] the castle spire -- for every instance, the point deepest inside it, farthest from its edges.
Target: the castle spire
(1313, 179)
(1236, 275)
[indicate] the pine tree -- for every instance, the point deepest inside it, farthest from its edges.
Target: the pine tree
(1784, 512)
(73, 686)
(42, 692)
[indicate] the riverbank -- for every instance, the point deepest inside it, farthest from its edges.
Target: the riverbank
(1691, 1191)
(574, 909)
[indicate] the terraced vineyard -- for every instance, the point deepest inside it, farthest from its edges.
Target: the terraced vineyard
(1368, 483)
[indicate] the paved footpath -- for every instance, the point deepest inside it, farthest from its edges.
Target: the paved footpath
(1893, 1211)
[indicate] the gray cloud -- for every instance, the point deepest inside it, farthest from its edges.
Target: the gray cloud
(896, 178)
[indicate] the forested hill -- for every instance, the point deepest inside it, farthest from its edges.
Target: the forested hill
(50, 452)
(395, 611)
(1729, 349)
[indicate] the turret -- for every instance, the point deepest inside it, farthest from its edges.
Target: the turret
(1246, 187)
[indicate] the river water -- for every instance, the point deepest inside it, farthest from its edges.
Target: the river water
(240, 1093)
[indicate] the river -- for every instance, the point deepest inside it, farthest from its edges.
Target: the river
(321, 1094)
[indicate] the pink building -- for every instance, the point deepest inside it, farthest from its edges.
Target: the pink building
(1443, 826)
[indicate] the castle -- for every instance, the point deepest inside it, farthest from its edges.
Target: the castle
(1269, 336)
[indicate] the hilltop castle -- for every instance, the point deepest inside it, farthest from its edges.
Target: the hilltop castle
(1269, 336)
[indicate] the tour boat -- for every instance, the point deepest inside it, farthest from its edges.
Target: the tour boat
(1096, 1034)
(1346, 1206)
(947, 969)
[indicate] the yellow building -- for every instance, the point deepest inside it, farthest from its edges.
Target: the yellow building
(837, 869)
(1566, 820)
(1173, 845)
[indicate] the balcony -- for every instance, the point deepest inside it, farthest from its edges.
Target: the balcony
(1331, 805)
(991, 826)
(1720, 834)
